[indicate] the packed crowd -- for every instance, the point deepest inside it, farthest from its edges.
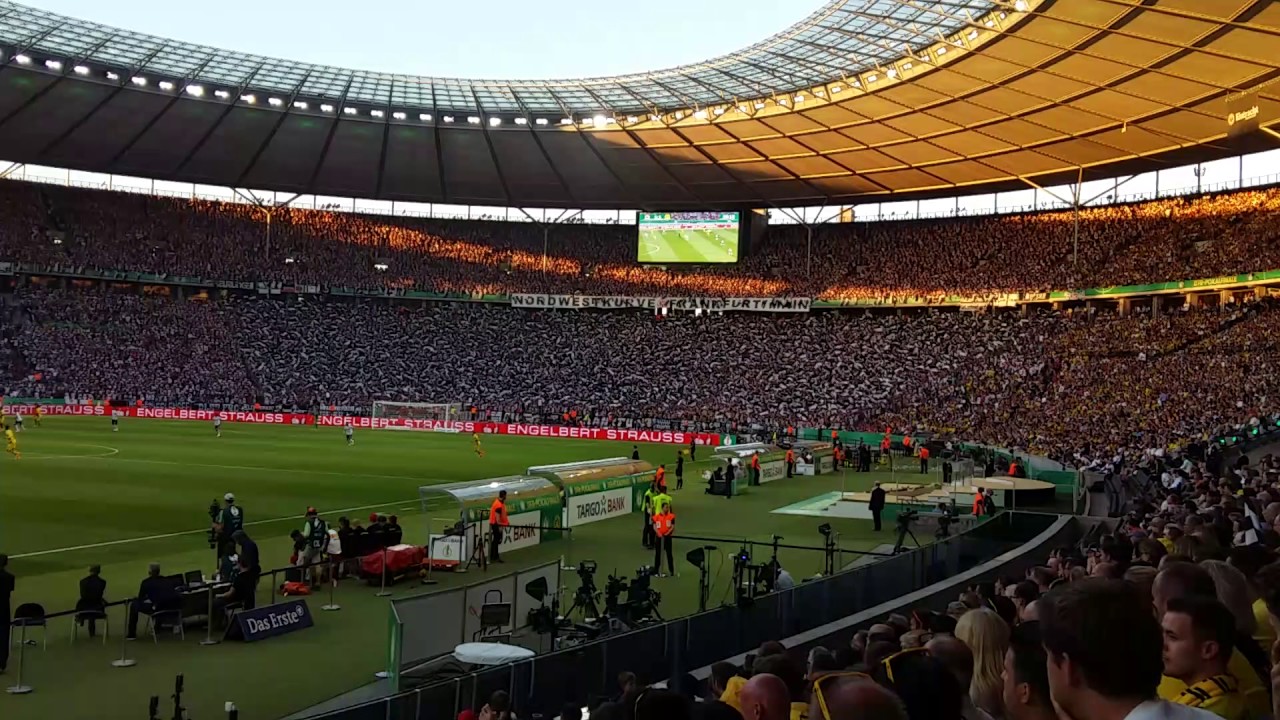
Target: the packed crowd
(1167, 239)
(1052, 383)
(1170, 614)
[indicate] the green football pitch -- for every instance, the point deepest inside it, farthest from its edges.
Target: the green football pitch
(83, 495)
(695, 246)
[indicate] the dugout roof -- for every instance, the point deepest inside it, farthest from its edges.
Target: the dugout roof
(864, 98)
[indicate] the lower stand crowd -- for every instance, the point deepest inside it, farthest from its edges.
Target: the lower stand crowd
(1173, 615)
(1078, 386)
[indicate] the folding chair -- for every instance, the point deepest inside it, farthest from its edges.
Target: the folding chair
(174, 614)
(32, 615)
(86, 615)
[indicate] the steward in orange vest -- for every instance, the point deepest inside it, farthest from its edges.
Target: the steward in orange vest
(498, 523)
(664, 526)
(791, 462)
(924, 460)
(978, 503)
(755, 469)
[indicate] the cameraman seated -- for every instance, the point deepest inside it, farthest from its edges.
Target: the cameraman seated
(241, 595)
(155, 594)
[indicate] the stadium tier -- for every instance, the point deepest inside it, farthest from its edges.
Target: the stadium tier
(1161, 240)
(1056, 383)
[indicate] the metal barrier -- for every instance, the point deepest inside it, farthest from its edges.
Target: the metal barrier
(544, 683)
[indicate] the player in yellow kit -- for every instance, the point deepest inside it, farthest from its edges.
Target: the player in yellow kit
(11, 443)
(475, 444)
(38, 413)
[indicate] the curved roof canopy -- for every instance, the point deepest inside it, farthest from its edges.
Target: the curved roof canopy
(844, 37)
(886, 98)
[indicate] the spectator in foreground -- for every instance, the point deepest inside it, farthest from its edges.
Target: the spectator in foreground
(958, 658)
(1103, 647)
(763, 697)
(1181, 580)
(988, 637)
(928, 689)
(655, 704)
(1026, 680)
(837, 697)
(1199, 636)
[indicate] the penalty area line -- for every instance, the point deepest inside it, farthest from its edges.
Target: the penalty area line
(183, 533)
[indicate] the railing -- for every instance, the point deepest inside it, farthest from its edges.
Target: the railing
(544, 683)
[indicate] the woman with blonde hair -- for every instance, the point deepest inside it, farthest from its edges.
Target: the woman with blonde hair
(1233, 591)
(988, 638)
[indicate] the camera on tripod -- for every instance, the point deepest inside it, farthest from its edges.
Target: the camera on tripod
(945, 518)
(906, 517)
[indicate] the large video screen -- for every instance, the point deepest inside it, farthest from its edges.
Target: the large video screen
(688, 237)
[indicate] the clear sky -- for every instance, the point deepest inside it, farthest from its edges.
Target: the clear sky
(505, 39)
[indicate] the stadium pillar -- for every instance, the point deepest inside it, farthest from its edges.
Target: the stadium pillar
(808, 250)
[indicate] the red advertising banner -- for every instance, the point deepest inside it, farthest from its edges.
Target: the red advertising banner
(668, 437)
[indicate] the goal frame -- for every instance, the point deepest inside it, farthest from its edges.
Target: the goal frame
(396, 415)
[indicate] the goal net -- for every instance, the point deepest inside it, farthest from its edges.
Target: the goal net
(416, 416)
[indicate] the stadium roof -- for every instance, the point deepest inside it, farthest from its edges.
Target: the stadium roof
(887, 98)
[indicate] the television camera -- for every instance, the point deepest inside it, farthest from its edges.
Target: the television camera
(905, 520)
(946, 516)
(641, 603)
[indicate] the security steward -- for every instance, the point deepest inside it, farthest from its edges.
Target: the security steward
(498, 523)
(664, 526)
(791, 462)
(876, 505)
(646, 511)
(979, 504)
(924, 460)
(755, 468)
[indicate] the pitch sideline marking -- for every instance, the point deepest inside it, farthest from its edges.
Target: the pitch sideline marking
(110, 451)
(201, 531)
(240, 467)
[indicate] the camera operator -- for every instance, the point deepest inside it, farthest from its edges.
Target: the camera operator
(227, 523)
(248, 551)
(316, 533)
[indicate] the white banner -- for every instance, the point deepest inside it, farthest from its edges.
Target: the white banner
(523, 534)
(583, 509)
(618, 302)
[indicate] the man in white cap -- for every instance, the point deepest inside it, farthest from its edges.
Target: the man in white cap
(229, 521)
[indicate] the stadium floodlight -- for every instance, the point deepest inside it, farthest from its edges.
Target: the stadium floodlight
(540, 121)
(275, 102)
(599, 120)
(782, 101)
(872, 77)
(165, 85)
(701, 115)
(326, 107)
(473, 119)
(632, 119)
(522, 121)
(22, 59)
(53, 64)
(349, 111)
(588, 122)
(973, 35)
(138, 80)
(380, 266)
(377, 113)
(799, 98)
(836, 88)
(906, 66)
(81, 70)
(759, 105)
(892, 73)
(195, 90)
(447, 118)
(424, 117)
(566, 121)
(399, 115)
(1020, 5)
(942, 51)
(251, 99)
(300, 104)
(221, 94)
(112, 76)
(495, 122)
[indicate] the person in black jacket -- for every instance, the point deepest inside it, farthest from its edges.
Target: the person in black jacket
(679, 470)
(6, 590)
(394, 532)
(877, 505)
(93, 590)
(155, 594)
